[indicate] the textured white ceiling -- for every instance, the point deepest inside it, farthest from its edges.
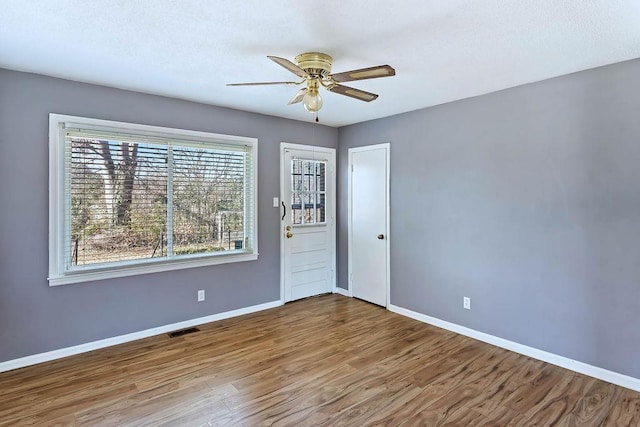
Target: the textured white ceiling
(442, 50)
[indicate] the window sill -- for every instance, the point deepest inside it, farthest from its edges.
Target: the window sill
(111, 273)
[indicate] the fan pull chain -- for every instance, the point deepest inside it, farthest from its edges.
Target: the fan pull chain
(313, 131)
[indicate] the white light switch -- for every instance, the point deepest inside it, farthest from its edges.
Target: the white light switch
(276, 202)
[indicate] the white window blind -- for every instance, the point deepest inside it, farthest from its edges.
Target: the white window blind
(132, 201)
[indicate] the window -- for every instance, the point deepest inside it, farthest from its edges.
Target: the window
(130, 199)
(308, 191)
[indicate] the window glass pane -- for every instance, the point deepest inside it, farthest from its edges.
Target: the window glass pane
(296, 175)
(309, 176)
(309, 209)
(296, 167)
(296, 208)
(208, 201)
(117, 198)
(320, 207)
(320, 176)
(297, 216)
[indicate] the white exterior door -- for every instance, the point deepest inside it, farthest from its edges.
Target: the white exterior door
(369, 223)
(307, 221)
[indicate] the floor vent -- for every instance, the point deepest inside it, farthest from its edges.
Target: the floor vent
(182, 332)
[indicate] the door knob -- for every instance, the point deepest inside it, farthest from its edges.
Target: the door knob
(289, 234)
(380, 236)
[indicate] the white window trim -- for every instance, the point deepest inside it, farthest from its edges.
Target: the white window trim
(57, 275)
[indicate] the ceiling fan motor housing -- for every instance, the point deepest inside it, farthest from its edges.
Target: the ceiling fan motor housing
(315, 63)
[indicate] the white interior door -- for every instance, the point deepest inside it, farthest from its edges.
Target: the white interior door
(368, 223)
(307, 221)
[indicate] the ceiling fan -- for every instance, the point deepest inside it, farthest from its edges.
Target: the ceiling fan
(314, 69)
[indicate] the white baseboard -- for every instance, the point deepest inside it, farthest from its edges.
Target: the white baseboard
(108, 342)
(564, 362)
(341, 291)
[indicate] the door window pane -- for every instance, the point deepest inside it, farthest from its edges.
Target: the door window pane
(296, 208)
(308, 193)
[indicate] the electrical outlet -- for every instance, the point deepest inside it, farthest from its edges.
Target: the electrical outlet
(466, 303)
(201, 295)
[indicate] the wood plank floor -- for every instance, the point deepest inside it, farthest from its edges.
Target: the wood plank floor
(324, 361)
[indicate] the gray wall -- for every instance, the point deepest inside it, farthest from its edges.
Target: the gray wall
(34, 317)
(526, 200)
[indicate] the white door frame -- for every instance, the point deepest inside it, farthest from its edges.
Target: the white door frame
(386, 146)
(331, 223)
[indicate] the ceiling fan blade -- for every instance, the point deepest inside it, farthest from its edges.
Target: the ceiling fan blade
(289, 66)
(364, 73)
(298, 96)
(353, 93)
(263, 83)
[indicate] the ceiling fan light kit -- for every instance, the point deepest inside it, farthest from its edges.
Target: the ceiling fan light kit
(312, 101)
(315, 70)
